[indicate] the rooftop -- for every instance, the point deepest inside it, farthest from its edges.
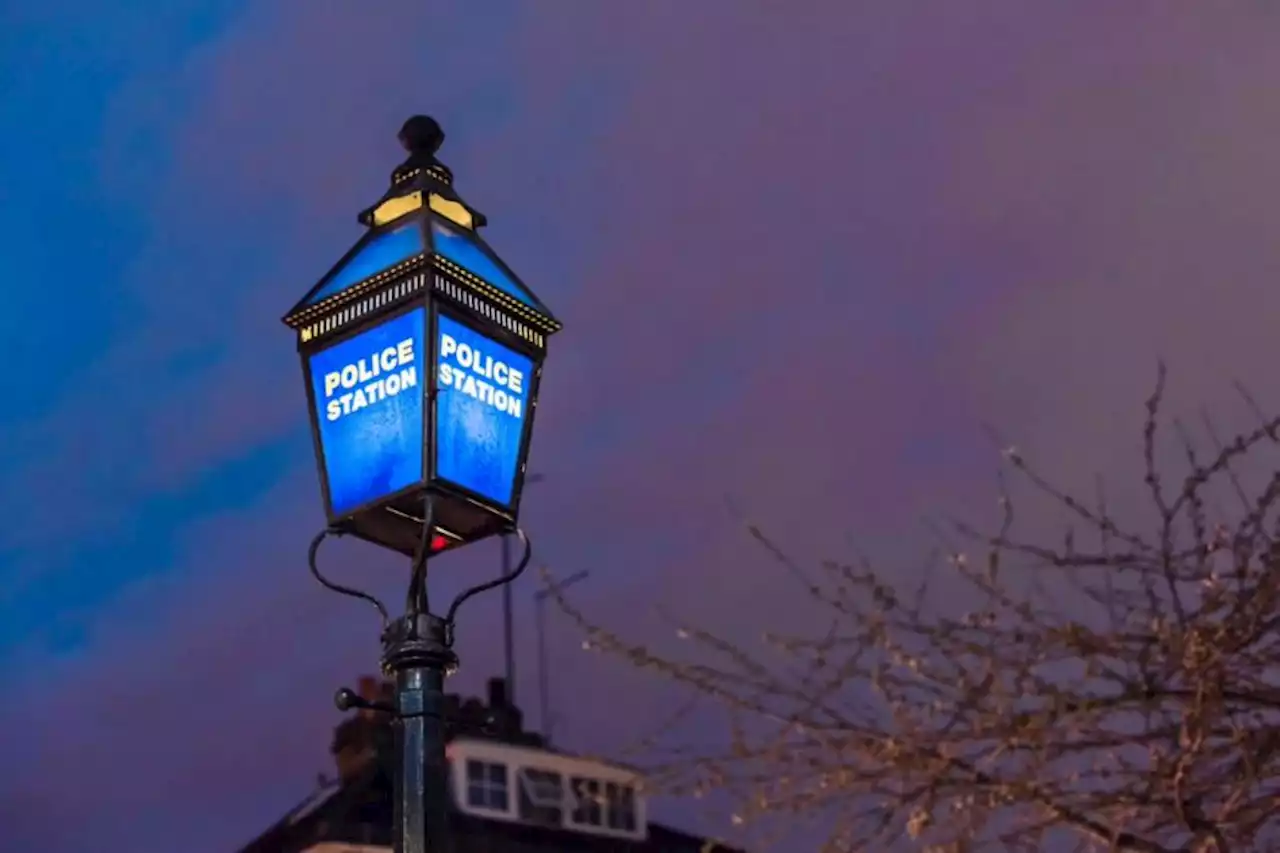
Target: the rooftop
(511, 793)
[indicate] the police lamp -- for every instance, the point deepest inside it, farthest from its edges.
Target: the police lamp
(422, 353)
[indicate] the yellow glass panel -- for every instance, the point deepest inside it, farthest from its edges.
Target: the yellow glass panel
(450, 210)
(394, 208)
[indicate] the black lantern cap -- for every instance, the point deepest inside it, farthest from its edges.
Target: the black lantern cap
(422, 137)
(446, 236)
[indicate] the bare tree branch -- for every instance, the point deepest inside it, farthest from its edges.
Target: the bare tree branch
(1120, 688)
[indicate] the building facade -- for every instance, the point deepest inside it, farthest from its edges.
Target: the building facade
(510, 792)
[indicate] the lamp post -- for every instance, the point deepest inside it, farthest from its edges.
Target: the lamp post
(544, 677)
(422, 353)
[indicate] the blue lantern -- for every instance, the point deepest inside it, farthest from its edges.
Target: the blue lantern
(422, 353)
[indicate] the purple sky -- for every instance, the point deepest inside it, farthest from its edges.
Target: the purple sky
(802, 251)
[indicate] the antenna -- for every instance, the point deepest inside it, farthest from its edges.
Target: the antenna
(508, 615)
(544, 675)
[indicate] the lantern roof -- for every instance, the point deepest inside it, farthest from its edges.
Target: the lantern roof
(419, 221)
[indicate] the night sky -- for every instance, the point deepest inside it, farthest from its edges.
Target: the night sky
(803, 252)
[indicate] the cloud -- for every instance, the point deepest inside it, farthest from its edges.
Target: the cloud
(193, 681)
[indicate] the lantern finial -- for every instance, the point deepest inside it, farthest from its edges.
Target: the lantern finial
(422, 137)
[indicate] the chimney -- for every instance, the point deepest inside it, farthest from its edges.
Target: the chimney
(497, 694)
(356, 739)
(373, 689)
(353, 747)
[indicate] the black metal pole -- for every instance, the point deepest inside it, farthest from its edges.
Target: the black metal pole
(508, 620)
(417, 656)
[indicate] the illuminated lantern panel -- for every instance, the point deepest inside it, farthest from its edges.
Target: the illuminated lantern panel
(422, 352)
(482, 403)
(367, 394)
(454, 246)
(376, 253)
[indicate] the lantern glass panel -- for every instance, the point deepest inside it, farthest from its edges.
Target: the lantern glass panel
(482, 406)
(451, 243)
(378, 252)
(367, 392)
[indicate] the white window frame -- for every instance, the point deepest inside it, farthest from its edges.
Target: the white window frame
(517, 759)
(604, 804)
(486, 784)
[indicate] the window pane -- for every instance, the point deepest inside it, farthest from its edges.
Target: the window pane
(498, 774)
(498, 798)
(541, 797)
(544, 787)
(475, 771)
(622, 806)
(586, 794)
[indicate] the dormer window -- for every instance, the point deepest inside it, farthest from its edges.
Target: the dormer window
(500, 781)
(487, 785)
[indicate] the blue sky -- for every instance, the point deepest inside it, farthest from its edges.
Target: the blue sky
(801, 256)
(71, 231)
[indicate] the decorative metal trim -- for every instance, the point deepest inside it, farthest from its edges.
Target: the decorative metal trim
(313, 317)
(439, 174)
(340, 319)
(350, 294)
(505, 300)
(464, 296)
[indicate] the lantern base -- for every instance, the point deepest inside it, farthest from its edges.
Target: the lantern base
(397, 524)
